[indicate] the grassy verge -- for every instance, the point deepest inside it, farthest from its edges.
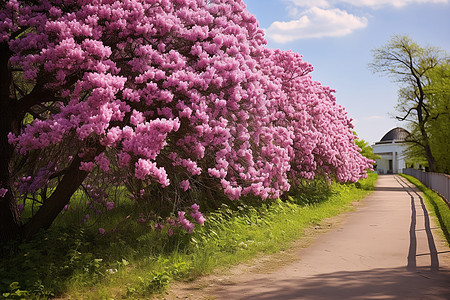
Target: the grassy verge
(435, 204)
(137, 261)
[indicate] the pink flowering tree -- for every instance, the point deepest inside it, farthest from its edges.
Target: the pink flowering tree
(322, 138)
(160, 96)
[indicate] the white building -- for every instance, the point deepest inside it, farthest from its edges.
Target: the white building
(391, 148)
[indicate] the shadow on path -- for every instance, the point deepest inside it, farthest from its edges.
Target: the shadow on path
(394, 283)
(412, 254)
(408, 276)
(389, 189)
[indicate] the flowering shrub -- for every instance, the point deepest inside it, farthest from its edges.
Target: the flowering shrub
(162, 97)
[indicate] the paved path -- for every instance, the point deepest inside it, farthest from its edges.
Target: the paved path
(387, 249)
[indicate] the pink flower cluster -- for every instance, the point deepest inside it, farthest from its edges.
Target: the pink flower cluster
(178, 91)
(34, 182)
(196, 214)
(184, 223)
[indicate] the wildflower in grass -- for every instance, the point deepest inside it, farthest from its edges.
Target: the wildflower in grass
(185, 223)
(109, 205)
(101, 231)
(196, 214)
(198, 217)
(195, 207)
(141, 220)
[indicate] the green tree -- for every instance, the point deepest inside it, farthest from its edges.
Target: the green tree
(410, 65)
(438, 92)
(366, 149)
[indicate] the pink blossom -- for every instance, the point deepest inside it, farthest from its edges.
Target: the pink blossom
(21, 208)
(101, 231)
(3, 192)
(159, 227)
(102, 162)
(124, 159)
(184, 184)
(195, 207)
(87, 166)
(185, 223)
(109, 205)
(222, 105)
(141, 220)
(198, 217)
(144, 168)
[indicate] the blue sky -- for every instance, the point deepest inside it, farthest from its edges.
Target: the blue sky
(337, 36)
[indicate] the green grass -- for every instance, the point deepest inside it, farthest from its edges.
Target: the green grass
(134, 261)
(435, 204)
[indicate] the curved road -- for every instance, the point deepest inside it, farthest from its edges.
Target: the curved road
(389, 248)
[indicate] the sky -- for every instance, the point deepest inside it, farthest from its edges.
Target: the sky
(337, 37)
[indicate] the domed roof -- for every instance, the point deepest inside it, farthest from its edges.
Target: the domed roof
(396, 134)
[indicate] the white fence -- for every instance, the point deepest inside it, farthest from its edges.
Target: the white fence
(440, 183)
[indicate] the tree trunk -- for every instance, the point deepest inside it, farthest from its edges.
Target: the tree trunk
(422, 117)
(11, 116)
(426, 141)
(71, 181)
(10, 224)
(430, 158)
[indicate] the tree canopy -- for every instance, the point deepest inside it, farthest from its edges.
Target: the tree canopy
(366, 149)
(411, 66)
(161, 97)
(439, 125)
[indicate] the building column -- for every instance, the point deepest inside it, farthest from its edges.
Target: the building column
(394, 162)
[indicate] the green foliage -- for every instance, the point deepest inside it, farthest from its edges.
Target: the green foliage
(412, 65)
(134, 261)
(156, 282)
(40, 264)
(15, 292)
(366, 149)
(439, 124)
(435, 204)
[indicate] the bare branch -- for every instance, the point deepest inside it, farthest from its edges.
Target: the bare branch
(407, 114)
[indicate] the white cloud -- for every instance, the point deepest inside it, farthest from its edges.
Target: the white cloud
(311, 3)
(369, 118)
(360, 3)
(315, 23)
(384, 3)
